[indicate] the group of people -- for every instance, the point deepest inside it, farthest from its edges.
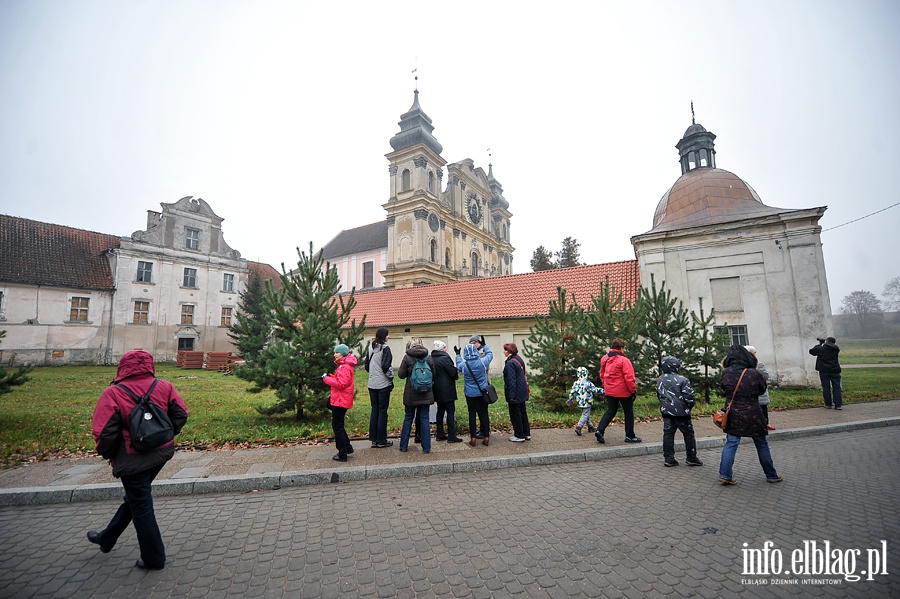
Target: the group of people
(743, 383)
(440, 374)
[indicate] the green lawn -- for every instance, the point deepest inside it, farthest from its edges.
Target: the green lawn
(51, 414)
(869, 351)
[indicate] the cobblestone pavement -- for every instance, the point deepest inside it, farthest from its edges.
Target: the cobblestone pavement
(622, 527)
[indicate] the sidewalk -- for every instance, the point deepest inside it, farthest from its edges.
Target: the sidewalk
(248, 470)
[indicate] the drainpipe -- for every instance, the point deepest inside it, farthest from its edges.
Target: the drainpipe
(112, 308)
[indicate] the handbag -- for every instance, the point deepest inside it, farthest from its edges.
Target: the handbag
(489, 393)
(720, 418)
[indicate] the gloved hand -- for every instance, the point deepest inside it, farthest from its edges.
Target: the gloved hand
(456, 349)
(633, 396)
(482, 341)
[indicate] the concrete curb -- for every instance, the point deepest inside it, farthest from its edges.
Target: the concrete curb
(254, 482)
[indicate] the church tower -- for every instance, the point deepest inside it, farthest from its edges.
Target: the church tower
(437, 236)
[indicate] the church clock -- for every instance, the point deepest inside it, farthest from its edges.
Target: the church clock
(473, 209)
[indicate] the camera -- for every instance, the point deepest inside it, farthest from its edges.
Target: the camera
(820, 339)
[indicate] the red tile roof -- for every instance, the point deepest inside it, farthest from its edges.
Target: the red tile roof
(512, 296)
(36, 253)
(266, 272)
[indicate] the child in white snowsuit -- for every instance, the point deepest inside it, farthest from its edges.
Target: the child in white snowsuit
(582, 393)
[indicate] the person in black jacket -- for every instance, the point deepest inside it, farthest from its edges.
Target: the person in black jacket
(445, 377)
(826, 353)
(742, 384)
(515, 387)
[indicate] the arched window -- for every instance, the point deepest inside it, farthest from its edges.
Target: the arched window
(447, 258)
(474, 264)
(431, 181)
(692, 161)
(703, 160)
(434, 250)
(406, 183)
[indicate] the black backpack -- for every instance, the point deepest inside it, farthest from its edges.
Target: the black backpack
(150, 425)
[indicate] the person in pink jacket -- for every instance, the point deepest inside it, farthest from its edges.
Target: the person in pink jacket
(137, 470)
(617, 379)
(341, 400)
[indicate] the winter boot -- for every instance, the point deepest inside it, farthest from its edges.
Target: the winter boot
(578, 430)
(693, 460)
(670, 461)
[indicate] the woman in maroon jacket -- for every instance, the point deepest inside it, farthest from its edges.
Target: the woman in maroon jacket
(742, 385)
(136, 469)
(617, 380)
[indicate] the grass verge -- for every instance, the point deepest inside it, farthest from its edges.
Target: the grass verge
(51, 415)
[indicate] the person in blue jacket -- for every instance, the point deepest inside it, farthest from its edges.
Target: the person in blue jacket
(474, 368)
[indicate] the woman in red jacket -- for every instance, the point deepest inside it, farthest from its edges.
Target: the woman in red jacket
(136, 469)
(617, 380)
(342, 390)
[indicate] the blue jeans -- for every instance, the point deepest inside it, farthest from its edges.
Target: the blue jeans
(420, 413)
(762, 452)
(381, 399)
(138, 509)
(831, 388)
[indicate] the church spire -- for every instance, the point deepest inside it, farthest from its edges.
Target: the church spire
(696, 149)
(416, 127)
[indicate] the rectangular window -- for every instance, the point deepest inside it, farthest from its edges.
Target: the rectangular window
(226, 317)
(185, 344)
(191, 238)
(187, 314)
(141, 312)
(228, 282)
(738, 334)
(144, 272)
(190, 277)
(78, 311)
(368, 275)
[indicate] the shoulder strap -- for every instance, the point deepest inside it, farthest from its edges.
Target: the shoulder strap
(735, 390)
(134, 396)
(474, 378)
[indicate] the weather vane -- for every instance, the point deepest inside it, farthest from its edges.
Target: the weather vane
(416, 73)
(693, 122)
(489, 156)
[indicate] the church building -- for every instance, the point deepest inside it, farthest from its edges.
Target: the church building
(434, 232)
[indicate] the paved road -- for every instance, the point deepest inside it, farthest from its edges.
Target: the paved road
(624, 527)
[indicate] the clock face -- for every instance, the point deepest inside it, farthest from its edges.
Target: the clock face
(433, 223)
(473, 208)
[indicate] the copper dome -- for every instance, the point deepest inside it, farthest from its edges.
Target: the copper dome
(706, 196)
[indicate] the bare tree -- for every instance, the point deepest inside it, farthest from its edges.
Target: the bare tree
(891, 294)
(863, 305)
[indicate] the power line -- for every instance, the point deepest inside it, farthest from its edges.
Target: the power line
(860, 218)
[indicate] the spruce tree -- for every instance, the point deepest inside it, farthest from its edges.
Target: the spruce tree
(570, 254)
(9, 378)
(308, 318)
(542, 259)
(667, 325)
(610, 317)
(250, 329)
(555, 349)
(710, 346)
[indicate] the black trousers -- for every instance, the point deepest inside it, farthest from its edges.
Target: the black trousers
(449, 409)
(670, 425)
(518, 416)
(137, 508)
(478, 407)
(612, 406)
(341, 440)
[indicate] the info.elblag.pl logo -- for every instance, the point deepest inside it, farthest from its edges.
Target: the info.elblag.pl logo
(816, 559)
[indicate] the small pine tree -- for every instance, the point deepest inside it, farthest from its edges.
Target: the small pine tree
(308, 318)
(10, 379)
(710, 345)
(555, 349)
(542, 259)
(608, 318)
(250, 329)
(570, 254)
(666, 325)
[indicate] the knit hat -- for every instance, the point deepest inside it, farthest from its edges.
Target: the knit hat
(341, 349)
(475, 338)
(439, 345)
